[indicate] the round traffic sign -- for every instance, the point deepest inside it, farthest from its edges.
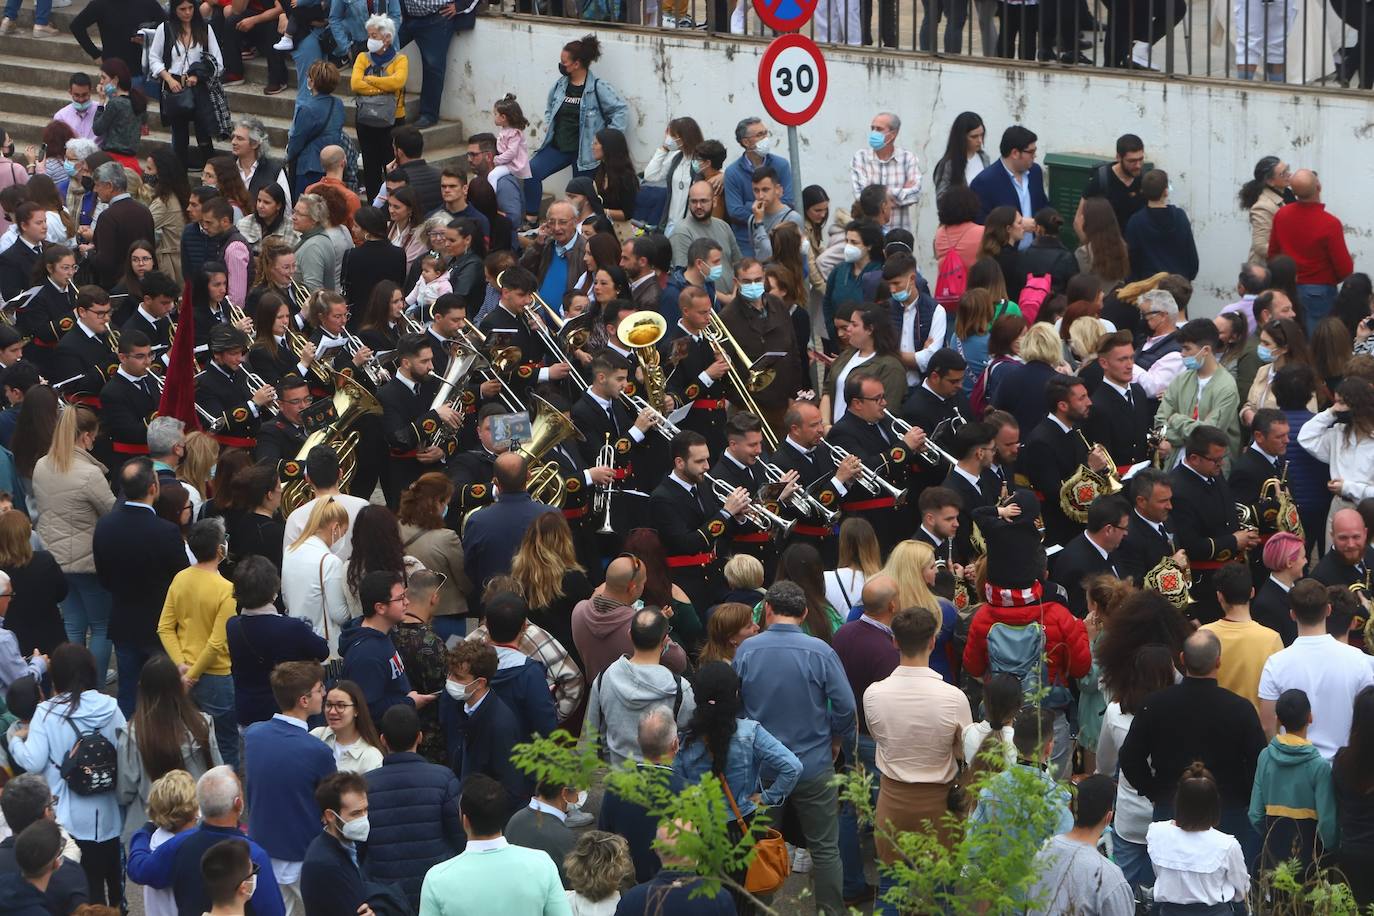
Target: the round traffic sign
(792, 79)
(785, 15)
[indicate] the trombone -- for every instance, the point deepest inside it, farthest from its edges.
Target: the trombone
(931, 453)
(869, 479)
(717, 335)
(489, 372)
(756, 513)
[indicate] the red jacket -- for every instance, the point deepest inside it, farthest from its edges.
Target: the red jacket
(1066, 639)
(1314, 239)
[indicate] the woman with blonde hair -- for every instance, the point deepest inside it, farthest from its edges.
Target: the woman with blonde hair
(172, 808)
(1021, 392)
(859, 558)
(312, 585)
(597, 865)
(198, 464)
(71, 493)
(425, 537)
(912, 566)
(550, 578)
(731, 623)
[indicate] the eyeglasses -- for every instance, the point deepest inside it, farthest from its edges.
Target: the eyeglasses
(338, 706)
(252, 872)
(880, 399)
(1150, 314)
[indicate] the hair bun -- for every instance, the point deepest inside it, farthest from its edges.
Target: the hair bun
(1197, 770)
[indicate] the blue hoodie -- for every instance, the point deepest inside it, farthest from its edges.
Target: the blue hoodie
(371, 661)
(521, 684)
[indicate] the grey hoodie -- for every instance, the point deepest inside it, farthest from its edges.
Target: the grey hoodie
(623, 693)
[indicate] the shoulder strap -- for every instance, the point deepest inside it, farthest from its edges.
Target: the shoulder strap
(677, 696)
(324, 602)
(412, 539)
(844, 591)
(730, 797)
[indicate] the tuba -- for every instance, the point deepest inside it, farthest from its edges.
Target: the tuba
(549, 427)
(1085, 485)
(450, 394)
(351, 402)
(641, 332)
(1171, 580)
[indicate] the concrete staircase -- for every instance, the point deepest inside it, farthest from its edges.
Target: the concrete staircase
(35, 74)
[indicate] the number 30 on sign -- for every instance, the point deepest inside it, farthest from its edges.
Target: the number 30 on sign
(792, 79)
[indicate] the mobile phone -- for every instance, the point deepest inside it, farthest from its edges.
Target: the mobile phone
(42, 151)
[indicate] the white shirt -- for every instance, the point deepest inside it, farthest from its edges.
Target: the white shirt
(1133, 810)
(343, 547)
(1330, 673)
(1196, 866)
(1349, 456)
(182, 57)
(841, 406)
(844, 588)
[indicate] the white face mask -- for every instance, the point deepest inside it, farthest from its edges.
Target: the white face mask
(375, 45)
(356, 830)
(456, 690)
(852, 253)
(764, 145)
(252, 883)
(670, 144)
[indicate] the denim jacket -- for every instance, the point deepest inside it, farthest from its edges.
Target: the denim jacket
(754, 753)
(601, 107)
(348, 19)
(318, 122)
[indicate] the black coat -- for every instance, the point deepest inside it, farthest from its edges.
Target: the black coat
(367, 265)
(1332, 570)
(988, 492)
(278, 441)
(515, 330)
(1205, 523)
(136, 555)
(815, 472)
(44, 319)
(1047, 255)
(1121, 426)
(1142, 549)
(683, 360)
(78, 353)
(413, 812)
(227, 399)
(692, 528)
(1271, 607)
(1078, 561)
(639, 465)
(471, 473)
(330, 882)
(159, 333)
(887, 456)
(17, 264)
(748, 538)
(408, 422)
(1049, 456)
(126, 408)
(1249, 472)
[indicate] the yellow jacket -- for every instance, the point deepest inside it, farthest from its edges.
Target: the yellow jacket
(393, 79)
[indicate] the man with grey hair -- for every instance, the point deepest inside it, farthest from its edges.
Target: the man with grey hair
(252, 151)
(753, 135)
(123, 222)
(198, 605)
(1160, 358)
(882, 162)
(27, 799)
(167, 448)
(793, 684)
(658, 745)
(176, 862)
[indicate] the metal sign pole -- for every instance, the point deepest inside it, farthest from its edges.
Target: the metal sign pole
(794, 154)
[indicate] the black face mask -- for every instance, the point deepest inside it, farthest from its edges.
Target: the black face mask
(562, 69)
(150, 179)
(87, 183)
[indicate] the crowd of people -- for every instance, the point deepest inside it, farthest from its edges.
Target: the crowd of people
(361, 474)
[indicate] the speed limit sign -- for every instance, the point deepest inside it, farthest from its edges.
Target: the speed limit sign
(792, 79)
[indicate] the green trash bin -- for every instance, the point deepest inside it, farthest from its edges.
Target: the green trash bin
(1068, 176)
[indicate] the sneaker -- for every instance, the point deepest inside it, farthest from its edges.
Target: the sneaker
(45, 31)
(58, 4)
(579, 819)
(801, 861)
(285, 43)
(686, 22)
(273, 89)
(669, 22)
(7, 26)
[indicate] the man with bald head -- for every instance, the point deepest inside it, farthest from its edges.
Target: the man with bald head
(555, 255)
(1316, 241)
(868, 654)
(493, 533)
(1196, 719)
(334, 160)
(698, 223)
(1350, 559)
(601, 623)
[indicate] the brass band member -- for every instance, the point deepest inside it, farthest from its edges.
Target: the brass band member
(275, 272)
(801, 451)
(153, 318)
(696, 370)
(1054, 450)
(1121, 410)
(19, 261)
(691, 520)
(739, 466)
(48, 314)
(759, 322)
(130, 398)
(940, 509)
(603, 417)
(581, 481)
(1149, 535)
(972, 480)
(471, 471)
(408, 420)
(86, 350)
(1350, 561)
(510, 321)
(224, 392)
(270, 356)
(280, 439)
(379, 326)
(1204, 516)
(329, 314)
(449, 318)
(210, 303)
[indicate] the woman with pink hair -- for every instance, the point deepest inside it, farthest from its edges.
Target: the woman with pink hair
(1285, 557)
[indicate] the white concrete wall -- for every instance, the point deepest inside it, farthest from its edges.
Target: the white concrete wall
(1207, 135)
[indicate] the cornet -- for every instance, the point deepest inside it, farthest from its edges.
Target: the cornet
(801, 501)
(869, 479)
(931, 453)
(755, 512)
(237, 315)
(255, 382)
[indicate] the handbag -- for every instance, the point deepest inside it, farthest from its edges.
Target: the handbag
(333, 667)
(375, 110)
(177, 105)
(771, 864)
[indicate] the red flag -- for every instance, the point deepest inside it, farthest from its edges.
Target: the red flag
(179, 382)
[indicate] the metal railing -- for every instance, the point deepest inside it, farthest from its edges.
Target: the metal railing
(1308, 42)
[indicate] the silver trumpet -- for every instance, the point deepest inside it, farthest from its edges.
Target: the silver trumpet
(666, 428)
(601, 500)
(931, 454)
(869, 479)
(801, 501)
(255, 382)
(377, 375)
(755, 512)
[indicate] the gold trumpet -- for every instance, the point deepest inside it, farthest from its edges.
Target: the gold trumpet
(296, 342)
(237, 315)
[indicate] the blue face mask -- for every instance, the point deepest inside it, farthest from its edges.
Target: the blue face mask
(82, 107)
(69, 166)
(876, 139)
(1190, 363)
(714, 273)
(1265, 354)
(751, 290)
(901, 295)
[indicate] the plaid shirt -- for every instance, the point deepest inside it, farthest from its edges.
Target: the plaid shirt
(418, 9)
(565, 680)
(900, 174)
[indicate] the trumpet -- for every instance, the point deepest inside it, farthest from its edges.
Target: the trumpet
(601, 501)
(801, 501)
(377, 375)
(237, 315)
(931, 453)
(296, 343)
(255, 382)
(869, 479)
(756, 513)
(636, 405)
(211, 423)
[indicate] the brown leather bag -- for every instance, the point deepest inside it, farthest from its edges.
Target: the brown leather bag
(771, 865)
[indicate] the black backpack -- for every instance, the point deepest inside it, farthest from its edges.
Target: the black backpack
(91, 764)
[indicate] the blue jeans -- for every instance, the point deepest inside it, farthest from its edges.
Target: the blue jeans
(1317, 299)
(87, 608)
(42, 9)
(305, 180)
(1134, 861)
(449, 625)
(548, 161)
(214, 694)
(432, 35)
(131, 658)
(851, 853)
(307, 51)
